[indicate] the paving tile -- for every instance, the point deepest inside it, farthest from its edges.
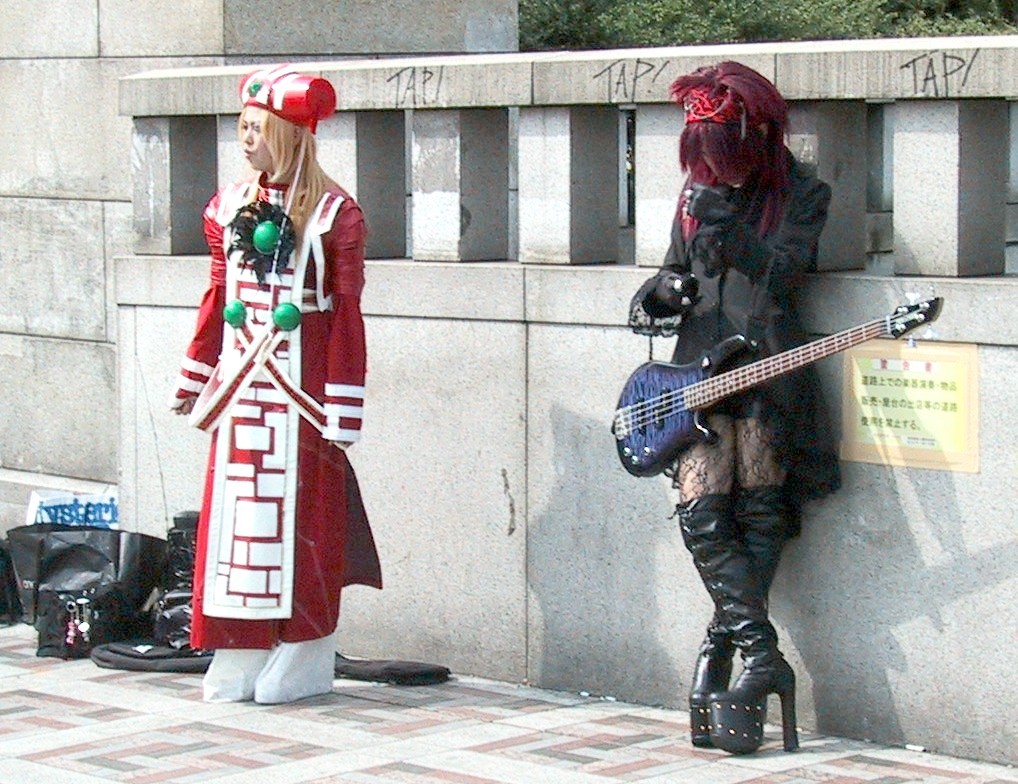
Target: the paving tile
(74, 723)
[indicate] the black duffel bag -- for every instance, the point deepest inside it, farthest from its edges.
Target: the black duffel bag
(82, 586)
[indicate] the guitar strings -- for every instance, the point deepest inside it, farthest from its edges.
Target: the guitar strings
(639, 414)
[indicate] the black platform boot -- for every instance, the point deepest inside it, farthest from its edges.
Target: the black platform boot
(729, 572)
(711, 674)
(713, 667)
(737, 716)
(765, 521)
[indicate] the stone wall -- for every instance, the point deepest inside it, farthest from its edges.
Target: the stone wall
(66, 185)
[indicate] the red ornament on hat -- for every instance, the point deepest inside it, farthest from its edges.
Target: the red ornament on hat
(298, 98)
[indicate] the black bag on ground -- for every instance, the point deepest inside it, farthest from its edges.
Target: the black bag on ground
(104, 575)
(70, 623)
(10, 602)
(166, 646)
(144, 656)
(173, 619)
(172, 613)
(402, 673)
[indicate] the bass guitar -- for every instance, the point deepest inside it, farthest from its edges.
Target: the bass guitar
(660, 411)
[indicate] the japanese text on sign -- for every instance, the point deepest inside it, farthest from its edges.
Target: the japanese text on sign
(912, 405)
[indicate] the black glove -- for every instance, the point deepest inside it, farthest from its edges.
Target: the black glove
(711, 247)
(711, 205)
(679, 293)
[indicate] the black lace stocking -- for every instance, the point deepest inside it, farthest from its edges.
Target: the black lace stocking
(757, 464)
(743, 453)
(708, 469)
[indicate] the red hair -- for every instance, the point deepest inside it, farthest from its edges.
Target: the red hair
(737, 119)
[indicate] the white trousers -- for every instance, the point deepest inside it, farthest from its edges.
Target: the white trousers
(290, 671)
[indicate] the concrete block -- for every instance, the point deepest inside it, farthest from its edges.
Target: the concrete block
(832, 302)
(435, 178)
(568, 185)
(175, 91)
(179, 282)
(382, 181)
(880, 157)
(393, 288)
(867, 630)
(162, 459)
(231, 166)
(70, 157)
(259, 27)
(336, 139)
(659, 180)
(831, 136)
(450, 82)
(623, 76)
(441, 466)
(173, 165)
(460, 175)
(544, 192)
(447, 82)
(118, 240)
(492, 292)
(607, 573)
(963, 67)
(594, 177)
(982, 187)
(54, 278)
(949, 208)
(484, 151)
(597, 295)
(149, 28)
(1012, 153)
(879, 232)
(60, 410)
(34, 29)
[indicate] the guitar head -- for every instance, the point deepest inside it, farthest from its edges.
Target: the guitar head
(905, 318)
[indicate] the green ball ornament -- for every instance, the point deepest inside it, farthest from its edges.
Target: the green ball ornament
(265, 237)
(286, 316)
(235, 314)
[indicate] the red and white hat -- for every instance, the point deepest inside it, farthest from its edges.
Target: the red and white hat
(298, 98)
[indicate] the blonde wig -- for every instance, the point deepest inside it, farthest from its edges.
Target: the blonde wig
(295, 161)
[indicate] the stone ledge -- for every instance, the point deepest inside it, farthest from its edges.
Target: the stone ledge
(976, 310)
(875, 70)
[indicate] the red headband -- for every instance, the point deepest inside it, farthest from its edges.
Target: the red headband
(722, 107)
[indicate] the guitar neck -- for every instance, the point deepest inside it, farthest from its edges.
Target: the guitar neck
(707, 392)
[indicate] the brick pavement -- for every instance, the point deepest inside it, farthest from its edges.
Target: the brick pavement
(74, 723)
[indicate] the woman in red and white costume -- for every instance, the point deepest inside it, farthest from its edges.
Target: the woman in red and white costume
(272, 536)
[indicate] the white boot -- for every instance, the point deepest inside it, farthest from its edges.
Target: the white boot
(296, 670)
(232, 674)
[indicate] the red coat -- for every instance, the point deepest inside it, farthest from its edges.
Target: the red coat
(332, 545)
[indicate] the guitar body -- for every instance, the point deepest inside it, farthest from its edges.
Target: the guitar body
(648, 435)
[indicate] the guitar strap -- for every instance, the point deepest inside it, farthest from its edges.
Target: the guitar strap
(756, 319)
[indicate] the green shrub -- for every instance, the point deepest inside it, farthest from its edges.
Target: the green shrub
(595, 24)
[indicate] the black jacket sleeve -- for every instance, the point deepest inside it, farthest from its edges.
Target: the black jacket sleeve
(657, 307)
